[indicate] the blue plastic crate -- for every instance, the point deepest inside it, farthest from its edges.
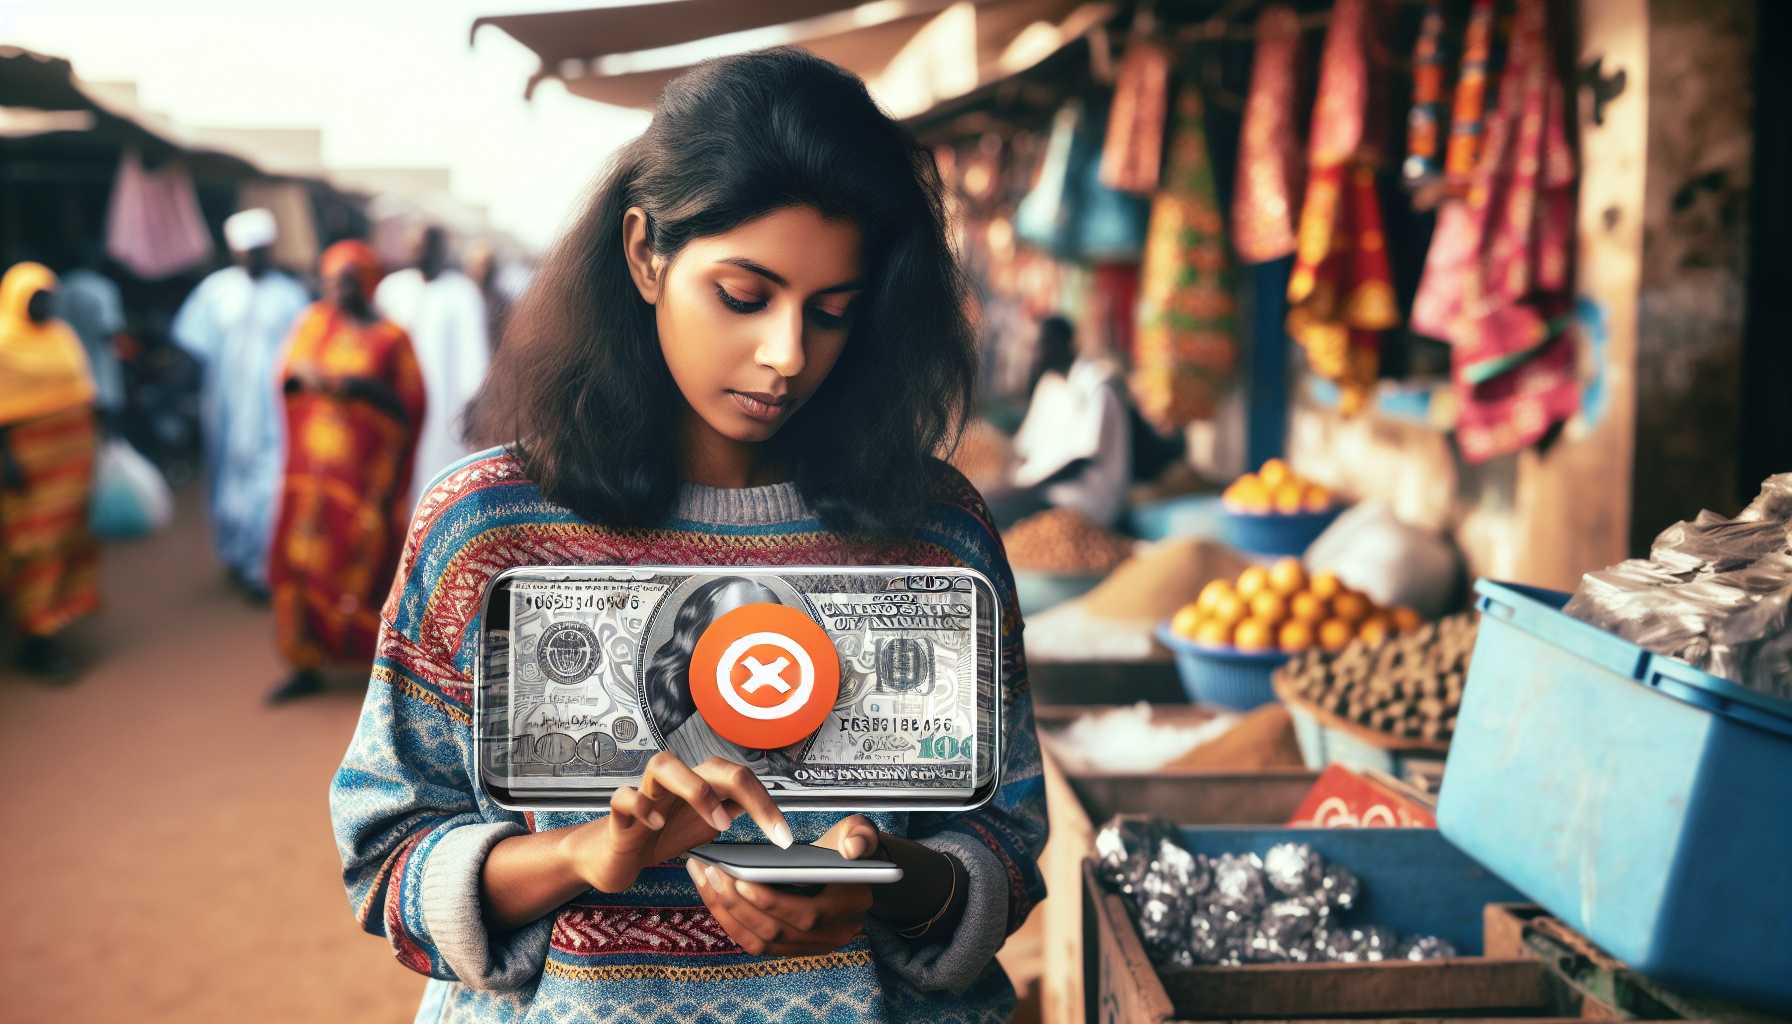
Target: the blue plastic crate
(1414, 880)
(1277, 533)
(1642, 801)
(1240, 680)
(1323, 744)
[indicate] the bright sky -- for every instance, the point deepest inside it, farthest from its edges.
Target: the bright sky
(390, 82)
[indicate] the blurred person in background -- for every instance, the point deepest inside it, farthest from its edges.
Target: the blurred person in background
(487, 271)
(1075, 445)
(49, 562)
(444, 314)
(89, 302)
(236, 324)
(354, 405)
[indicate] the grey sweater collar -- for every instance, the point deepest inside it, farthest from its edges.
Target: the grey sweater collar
(741, 506)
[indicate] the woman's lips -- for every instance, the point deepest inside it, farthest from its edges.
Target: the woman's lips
(761, 406)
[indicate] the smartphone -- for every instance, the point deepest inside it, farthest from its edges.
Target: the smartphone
(802, 864)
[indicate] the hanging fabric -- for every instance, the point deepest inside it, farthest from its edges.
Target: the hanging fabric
(1070, 213)
(1424, 140)
(1341, 292)
(1497, 281)
(153, 223)
(1268, 157)
(1186, 345)
(1470, 104)
(1133, 152)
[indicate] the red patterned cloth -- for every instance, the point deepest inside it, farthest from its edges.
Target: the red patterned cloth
(354, 405)
(1268, 152)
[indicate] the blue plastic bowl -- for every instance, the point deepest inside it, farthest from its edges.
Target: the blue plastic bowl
(1240, 680)
(1190, 515)
(1038, 591)
(1277, 533)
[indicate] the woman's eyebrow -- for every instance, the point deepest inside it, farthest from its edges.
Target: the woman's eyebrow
(778, 279)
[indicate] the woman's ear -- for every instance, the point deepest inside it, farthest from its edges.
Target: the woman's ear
(637, 250)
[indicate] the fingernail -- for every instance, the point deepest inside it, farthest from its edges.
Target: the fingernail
(696, 872)
(715, 877)
(656, 820)
(780, 834)
(721, 820)
(854, 848)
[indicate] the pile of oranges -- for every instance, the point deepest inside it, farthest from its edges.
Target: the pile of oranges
(1275, 488)
(1279, 607)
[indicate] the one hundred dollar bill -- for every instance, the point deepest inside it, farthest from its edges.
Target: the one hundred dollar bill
(586, 675)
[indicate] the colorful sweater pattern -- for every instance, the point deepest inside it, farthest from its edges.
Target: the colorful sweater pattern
(413, 827)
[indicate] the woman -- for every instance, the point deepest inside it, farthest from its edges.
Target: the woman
(354, 403)
(743, 353)
(49, 563)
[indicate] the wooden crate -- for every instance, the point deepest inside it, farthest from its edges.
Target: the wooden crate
(1468, 990)
(1079, 802)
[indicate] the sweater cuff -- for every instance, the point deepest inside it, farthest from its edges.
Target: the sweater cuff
(456, 920)
(956, 963)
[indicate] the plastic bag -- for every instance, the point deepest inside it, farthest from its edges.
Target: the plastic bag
(1394, 563)
(130, 498)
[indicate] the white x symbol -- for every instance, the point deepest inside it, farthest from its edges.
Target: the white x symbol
(761, 676)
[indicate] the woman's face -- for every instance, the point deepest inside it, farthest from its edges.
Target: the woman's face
(752, 320)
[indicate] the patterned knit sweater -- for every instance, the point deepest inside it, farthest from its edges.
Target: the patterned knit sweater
(413, 828)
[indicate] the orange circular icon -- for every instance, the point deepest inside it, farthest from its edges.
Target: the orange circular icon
(764, 676)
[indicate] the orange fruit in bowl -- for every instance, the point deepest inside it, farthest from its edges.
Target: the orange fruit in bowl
(1286, 577)
(1335, 634)
(1213, 633)
(1228, 610)
(1274, 473)
(1316, 498)
(1325, 585)
(1294, 636)
(1269, 606)
(1374, 629)
(1248, 493)
(1186, 622)
(1252, 582)
(1253, 635)
(1307, 608)
(1212, 592)
(1290, 497)
(1351, 606)
(1405, 619)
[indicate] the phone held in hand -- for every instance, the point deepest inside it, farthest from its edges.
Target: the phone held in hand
(802, 864)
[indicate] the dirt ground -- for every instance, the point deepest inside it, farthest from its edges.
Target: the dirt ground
(170, 856)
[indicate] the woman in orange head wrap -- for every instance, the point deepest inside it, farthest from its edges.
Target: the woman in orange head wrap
(49, 563)
(354, 405)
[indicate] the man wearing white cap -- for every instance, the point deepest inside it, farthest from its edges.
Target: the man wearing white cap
(236, 324)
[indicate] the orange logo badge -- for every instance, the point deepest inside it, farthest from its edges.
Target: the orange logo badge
(764, 676)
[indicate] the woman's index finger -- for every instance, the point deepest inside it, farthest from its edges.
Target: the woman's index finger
(738, 783)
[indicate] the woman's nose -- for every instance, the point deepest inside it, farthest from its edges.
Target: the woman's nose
(781, 347)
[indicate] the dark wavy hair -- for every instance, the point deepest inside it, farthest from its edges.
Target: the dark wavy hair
(579, 386)
(666, 680)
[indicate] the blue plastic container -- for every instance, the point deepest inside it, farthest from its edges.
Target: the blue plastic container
(1038, 591)
(1642, 801)
(1191, 515)
(1240, 680)
(1414, 880)
(1276, 533)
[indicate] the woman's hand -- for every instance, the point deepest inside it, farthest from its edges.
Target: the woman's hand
(675, 808)
(762, 919)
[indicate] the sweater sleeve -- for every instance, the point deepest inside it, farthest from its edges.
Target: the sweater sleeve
(412, 835)
(998, 843)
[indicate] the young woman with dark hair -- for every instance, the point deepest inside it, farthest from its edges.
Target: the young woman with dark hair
(746, 352)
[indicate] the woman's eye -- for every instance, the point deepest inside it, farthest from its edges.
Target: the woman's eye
(739, 305)
(827, 320)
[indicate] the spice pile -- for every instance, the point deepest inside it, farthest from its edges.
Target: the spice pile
(1061, 541)
(1279, 607)
(1409, 686)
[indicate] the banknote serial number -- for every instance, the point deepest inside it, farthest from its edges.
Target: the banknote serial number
(560, 601)
(862, 723)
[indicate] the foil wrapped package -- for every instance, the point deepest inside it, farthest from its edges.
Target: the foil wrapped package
(1714, 592)
(1286, 906)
